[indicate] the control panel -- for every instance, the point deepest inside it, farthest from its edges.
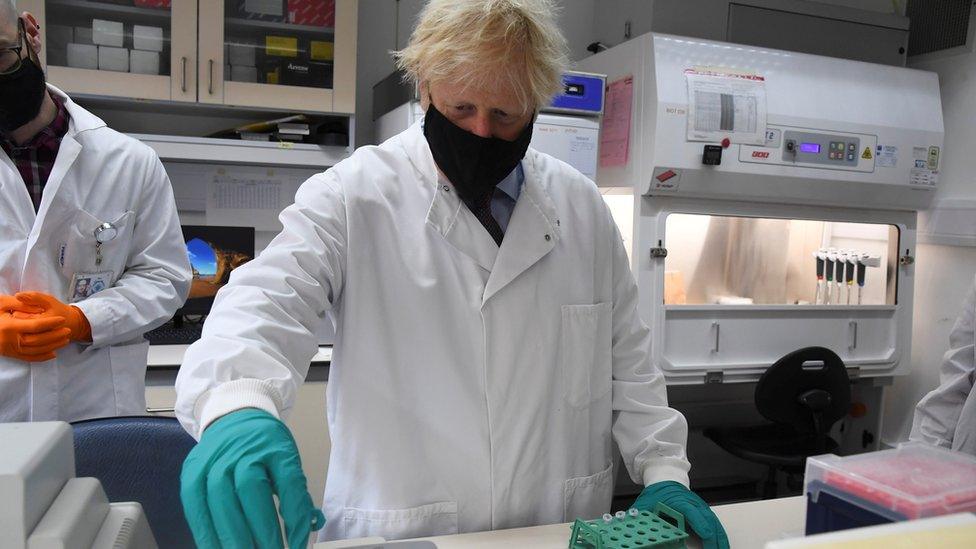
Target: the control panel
(810, 148)
(820, 148)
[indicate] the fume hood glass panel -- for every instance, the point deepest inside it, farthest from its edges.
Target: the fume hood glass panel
(128, 36)
(280, 42)
(725, 260)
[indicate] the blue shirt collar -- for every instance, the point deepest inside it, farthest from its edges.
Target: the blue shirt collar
(512, 184)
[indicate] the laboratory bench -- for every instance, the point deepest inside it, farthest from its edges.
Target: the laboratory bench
(749, 525)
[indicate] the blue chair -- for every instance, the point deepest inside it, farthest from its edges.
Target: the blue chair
(139, 458)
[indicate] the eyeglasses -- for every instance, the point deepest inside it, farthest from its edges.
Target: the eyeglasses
(11, 58)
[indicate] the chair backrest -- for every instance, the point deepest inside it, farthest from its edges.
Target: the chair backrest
(139, 458)
(803, 384)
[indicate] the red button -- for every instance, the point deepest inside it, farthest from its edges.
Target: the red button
(726, 143)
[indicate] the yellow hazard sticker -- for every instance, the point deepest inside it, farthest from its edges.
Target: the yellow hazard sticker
(866, 155)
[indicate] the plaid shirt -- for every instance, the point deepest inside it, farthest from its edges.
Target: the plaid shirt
(35, 159)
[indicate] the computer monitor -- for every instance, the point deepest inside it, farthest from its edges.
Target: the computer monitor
(214, 252)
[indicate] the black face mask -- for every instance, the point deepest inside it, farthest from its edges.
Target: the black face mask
(473, 164)
(21, 96)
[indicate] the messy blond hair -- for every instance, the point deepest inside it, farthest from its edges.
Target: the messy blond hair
(484, 43)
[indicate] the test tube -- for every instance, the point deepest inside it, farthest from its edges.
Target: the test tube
(620, 514)
(633, 512)
(607, 517)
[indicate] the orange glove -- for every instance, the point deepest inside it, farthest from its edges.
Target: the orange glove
(10, 304)
(74, 319)
(31, 339)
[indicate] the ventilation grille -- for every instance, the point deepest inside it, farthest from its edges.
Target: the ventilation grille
(123, 540)
(938, 25)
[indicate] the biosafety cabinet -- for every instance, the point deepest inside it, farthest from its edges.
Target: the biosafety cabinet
(775, 198)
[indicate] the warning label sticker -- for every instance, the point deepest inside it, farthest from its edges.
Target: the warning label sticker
(866, 155)
(887, 156)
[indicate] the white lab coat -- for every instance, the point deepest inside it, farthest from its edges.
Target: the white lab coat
(471, 387)
(99, 175)
(947, 415)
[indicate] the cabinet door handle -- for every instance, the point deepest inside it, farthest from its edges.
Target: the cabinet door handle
(210, 85)
(718, 332)
(183, 75)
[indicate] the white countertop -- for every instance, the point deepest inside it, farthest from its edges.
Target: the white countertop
(749, 526)
(172, 355)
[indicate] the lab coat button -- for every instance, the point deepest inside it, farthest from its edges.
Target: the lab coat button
(548, 238)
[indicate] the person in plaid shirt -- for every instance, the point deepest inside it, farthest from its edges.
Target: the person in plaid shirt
(91, 251)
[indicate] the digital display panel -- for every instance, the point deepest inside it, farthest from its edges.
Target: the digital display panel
(812, 148)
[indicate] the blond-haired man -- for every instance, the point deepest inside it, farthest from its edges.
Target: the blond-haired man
(488, 346)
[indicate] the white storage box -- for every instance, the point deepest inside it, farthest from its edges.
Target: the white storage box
(83, 56)
(147, 38)
(108, 33)
(143, 62)
(113, 59)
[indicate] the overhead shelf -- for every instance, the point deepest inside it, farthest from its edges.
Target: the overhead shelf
(232, 24)
(232, 151)
(131, 14)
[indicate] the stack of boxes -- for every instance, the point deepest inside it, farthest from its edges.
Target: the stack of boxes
(282, 58)
(147, 45)
(102, 47)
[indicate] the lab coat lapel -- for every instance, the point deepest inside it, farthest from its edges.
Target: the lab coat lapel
(79, 120)
(533, 231)
(15, 200)
(447, 214)
(67, 153)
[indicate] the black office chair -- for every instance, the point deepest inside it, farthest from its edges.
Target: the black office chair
(803, 394)
(139, 458)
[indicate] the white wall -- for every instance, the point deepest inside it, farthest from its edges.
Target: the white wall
(943, 274)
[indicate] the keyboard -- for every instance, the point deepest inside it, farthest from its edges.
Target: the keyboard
(167, 334)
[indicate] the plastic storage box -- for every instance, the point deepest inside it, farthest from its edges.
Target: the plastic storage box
(912, 481)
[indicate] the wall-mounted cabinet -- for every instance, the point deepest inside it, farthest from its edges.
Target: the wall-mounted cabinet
(296, 55)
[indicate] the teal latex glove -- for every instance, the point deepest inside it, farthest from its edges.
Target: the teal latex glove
(696, 512)
(229, 478)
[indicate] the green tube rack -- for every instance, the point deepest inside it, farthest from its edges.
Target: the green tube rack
(636, 530)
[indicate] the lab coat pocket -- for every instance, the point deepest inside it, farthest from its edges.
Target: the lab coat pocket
(588, 497)
(129, 376)
(434, 519)
(585, 353)
(79, 255)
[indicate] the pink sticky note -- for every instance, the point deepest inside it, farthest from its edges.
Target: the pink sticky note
(615, 131)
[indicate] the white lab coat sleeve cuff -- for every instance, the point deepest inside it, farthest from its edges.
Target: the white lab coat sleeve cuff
(660, 471)
(236, 395)
(101, 320)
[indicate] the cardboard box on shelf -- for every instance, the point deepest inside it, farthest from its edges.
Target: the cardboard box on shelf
(241, 53)
(113, 59)
(83, 56)
(147, 38)
(243, 74)
(281, 46)
(262, 10)
(83, 35)
(144, 62)
(315, 13)
(320, 50)
(108, 33)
